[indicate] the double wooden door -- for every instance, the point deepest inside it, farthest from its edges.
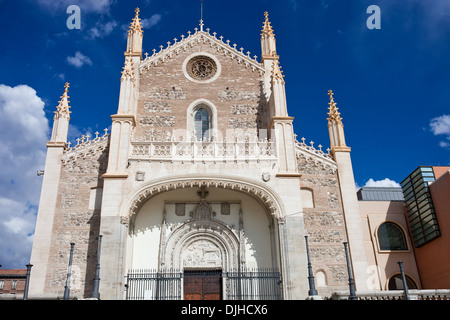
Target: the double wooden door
(202, 285)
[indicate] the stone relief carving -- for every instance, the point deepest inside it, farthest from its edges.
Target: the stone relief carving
(167, 94)
(241, 123)
(309, 164)
(140, 176)
(230, 95)
(155, 107)
(246, 109)
(157, 121)
(202, 253)
(180, 209)
(225, 208)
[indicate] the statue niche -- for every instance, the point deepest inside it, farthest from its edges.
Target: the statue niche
(203, 210)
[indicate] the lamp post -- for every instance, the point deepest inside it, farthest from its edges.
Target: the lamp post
(312, 288)
(27, 282)
(95, 293)
(351, 282)
(405, 285)
(67, 286)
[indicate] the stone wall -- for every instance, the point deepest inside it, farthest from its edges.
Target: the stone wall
(77, 219)
(165, 93)
(324, 222)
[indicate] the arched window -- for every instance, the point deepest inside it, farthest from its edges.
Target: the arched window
(202, 124)
(391, 237)
(396, 282)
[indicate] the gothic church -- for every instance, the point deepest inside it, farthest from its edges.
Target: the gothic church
(200, 182)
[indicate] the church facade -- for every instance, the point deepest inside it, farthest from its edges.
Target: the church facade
(201, 174)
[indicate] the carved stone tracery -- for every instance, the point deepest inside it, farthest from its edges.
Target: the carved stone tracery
(201, 68)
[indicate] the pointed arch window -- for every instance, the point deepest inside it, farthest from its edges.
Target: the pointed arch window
(391, 237)
(202, 124)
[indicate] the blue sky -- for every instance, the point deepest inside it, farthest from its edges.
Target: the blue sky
(392, 85)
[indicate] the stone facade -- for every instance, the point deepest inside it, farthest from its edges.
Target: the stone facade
(77, 218)
(244, 195)
(324, 222)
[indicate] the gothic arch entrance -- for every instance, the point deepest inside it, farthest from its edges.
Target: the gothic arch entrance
(206, 234)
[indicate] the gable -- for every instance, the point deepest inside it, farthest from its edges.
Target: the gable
(200, 68)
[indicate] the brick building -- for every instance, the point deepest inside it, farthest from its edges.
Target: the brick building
(12, 281)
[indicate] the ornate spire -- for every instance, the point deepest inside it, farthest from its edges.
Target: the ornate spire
(268, 42)
(267, 29)
(128, 69)
(277, 73)
(336, 127)
(61, 119)
(63, 108)
(136, 23)
(333, 113)
(135, 35)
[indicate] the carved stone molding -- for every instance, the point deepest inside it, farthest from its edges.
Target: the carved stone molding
(200, 244)
(267, 197)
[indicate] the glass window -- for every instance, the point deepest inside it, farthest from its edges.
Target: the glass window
(201, 124)
(14, 285)
(391, 237)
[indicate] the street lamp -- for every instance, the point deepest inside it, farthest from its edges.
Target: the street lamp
(27, 282)
(405, 285)
(351, 282)
(95, 293)
(67, 286)
(312, 288)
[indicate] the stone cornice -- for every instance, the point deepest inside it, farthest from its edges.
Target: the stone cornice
(124, 118)
(201, 37)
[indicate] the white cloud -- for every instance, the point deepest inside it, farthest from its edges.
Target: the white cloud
(98, 6)
(24, 131)
(152, 21)
(441, 126)
(79, 60)
(101, 30)
(386, 183)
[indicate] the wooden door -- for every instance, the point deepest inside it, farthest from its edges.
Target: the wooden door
(202, 285)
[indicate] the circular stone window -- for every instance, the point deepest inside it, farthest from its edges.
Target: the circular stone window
(201, 68)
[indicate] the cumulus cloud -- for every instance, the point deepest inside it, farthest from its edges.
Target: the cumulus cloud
(24, 131)
(79, 60)
(102, 29)
(151, 22)
(441, 126)
(386, 183)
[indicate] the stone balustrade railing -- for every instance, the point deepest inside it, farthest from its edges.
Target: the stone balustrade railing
(190, 150)
(438, 294)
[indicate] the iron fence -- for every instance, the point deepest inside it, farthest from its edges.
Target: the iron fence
(153, 285)
(243, 284)
(253, 284)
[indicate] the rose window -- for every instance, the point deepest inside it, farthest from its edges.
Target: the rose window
(201, 68)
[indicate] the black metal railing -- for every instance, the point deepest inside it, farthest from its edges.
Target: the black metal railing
(153, 285)
(253, 284)
(243, 284)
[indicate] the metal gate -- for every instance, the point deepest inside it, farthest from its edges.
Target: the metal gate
(243, 284)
